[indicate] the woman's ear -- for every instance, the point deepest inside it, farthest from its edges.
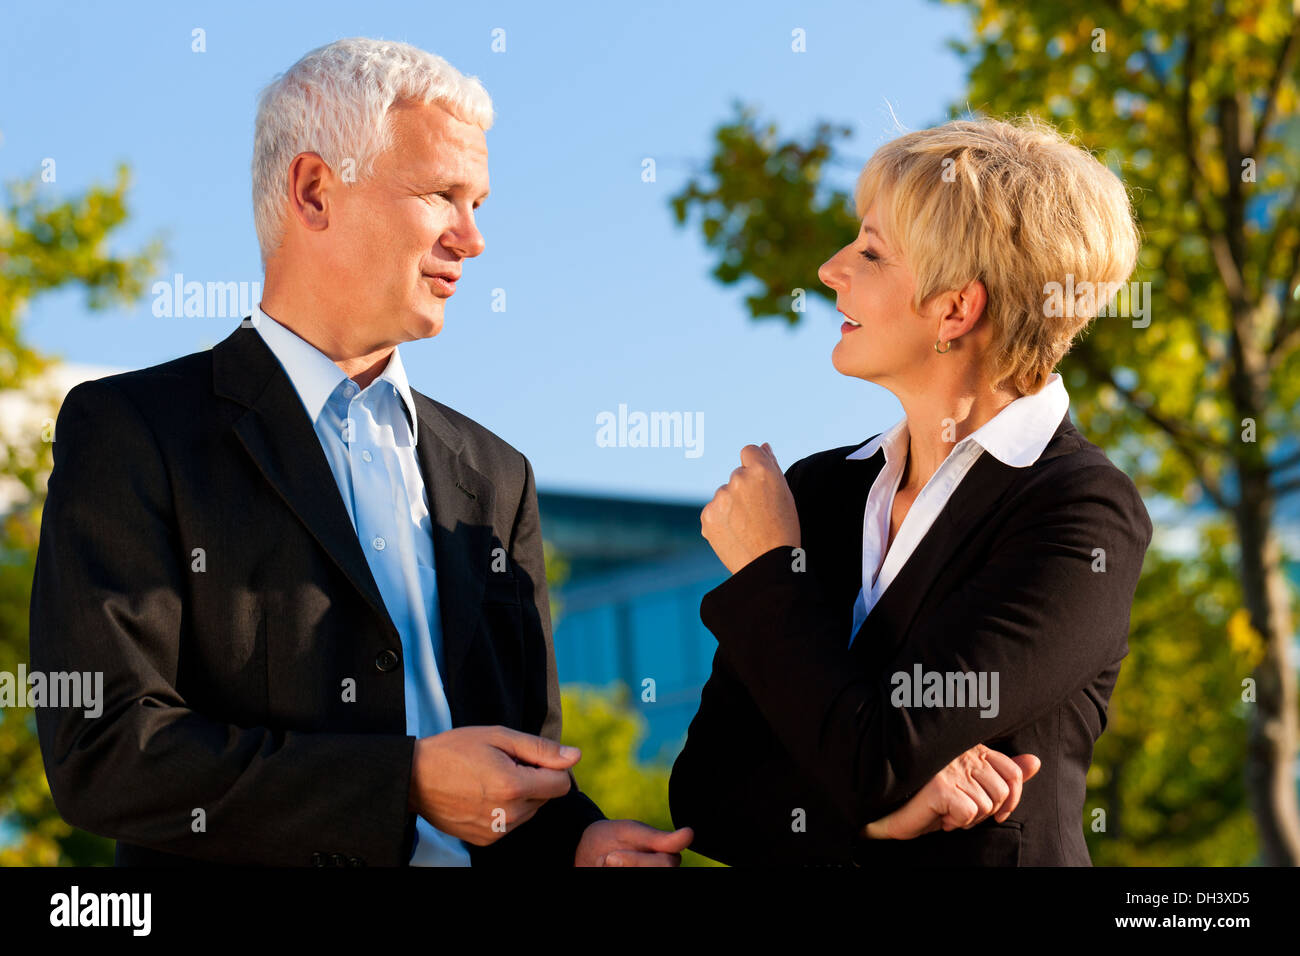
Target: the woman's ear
(961, 309)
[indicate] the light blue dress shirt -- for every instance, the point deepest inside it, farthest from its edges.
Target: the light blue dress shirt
(369, 437)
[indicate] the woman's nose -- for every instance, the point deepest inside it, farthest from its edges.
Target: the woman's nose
(827, 273)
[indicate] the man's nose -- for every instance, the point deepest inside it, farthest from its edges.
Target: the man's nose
(465, 240)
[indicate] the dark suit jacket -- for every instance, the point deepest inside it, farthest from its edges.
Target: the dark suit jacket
(224, 680)
(792, 719)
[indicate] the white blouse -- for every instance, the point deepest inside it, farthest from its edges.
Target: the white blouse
(1016, 436)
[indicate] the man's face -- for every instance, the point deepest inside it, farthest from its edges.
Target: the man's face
(409, 222)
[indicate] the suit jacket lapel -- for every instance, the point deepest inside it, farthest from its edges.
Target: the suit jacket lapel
(846, 503)
(460, 509)
(886, 627)
(281, 440)
(279, 437)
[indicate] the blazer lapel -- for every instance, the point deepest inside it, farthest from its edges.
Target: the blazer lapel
(886, 627)
(281, 440)
(847, 503)
(460, 509)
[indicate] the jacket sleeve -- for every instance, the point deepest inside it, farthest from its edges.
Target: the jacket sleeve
(108, 599)
(713, 787)
(1036, 615)
(551, 836)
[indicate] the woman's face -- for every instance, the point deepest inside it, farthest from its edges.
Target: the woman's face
(884, 339)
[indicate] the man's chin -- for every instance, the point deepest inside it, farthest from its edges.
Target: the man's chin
(426, 326)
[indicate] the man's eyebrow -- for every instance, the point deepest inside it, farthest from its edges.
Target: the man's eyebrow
(442, 185)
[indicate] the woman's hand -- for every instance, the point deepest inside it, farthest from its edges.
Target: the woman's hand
(976, 785)
(752, 513)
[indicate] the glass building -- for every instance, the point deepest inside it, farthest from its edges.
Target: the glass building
(629, 608)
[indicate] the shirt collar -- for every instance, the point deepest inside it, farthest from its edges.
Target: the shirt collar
(1016, 436)
(315, 376)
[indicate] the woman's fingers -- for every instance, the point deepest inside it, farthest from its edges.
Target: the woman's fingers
(961, 808)
(1014, 778)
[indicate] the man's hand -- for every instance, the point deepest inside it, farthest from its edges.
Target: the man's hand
(752, 513)
(976, 785)
(631, 843)
(478, 783)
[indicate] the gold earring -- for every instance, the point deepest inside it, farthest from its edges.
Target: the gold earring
(947, 345)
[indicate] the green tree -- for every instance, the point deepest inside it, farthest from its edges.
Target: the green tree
(1194, 106)
(604, 726)
(601, 723)
(45, 244)
(1166, 773)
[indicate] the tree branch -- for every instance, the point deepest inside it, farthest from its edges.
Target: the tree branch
(1184, 440)
(1290, 461)
(1286, 488)
(1285, 60)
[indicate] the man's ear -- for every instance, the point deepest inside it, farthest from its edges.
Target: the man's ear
(310, 181)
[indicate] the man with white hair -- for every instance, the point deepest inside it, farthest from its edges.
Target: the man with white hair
(318, 597)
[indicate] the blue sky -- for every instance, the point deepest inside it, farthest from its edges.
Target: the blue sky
(608, 301)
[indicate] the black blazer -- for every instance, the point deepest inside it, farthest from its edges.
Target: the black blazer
(793, 720)
(195, 549)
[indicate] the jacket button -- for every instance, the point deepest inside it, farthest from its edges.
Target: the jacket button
(340, 859)
(318, 859)
(386, 660)
(356, 861)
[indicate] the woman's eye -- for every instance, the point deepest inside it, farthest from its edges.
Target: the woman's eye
(869, 255)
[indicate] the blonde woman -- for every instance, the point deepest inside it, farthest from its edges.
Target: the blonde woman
(919, 639)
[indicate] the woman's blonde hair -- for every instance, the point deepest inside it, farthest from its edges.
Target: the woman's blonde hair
(1017, 206)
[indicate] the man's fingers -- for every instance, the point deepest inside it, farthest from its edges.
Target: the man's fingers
(538, 751)
(541, 782)
(664, 841)
(637, 858)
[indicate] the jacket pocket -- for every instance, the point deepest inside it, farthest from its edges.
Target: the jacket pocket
(989, 844)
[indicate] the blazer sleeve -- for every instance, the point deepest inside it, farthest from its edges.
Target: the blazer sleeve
(713, 787)
(108, 598)
(551, 836)
(1036, 614)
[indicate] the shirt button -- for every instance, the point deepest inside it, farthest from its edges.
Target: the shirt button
(386, 660)
(365, 456)
(379, 543)
(349, 390)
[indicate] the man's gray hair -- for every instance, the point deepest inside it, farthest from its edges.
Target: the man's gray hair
(335, 102)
